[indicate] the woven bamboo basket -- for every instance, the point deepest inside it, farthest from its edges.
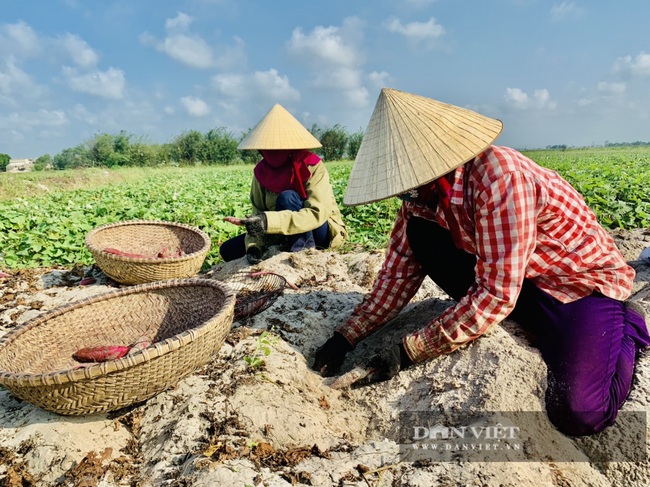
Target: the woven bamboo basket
(255, 292)
(187, 320)
(148, 238)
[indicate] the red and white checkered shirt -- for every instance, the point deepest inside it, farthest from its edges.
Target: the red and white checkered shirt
(520, 221)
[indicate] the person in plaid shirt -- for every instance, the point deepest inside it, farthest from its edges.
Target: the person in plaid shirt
(505, 238)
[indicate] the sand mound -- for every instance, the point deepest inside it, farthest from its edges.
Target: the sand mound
(258, 415)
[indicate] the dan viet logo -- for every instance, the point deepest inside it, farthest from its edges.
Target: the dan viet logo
(514, 436)
(450, 438)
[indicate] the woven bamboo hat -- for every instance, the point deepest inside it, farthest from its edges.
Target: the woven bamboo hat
(279, 130)
(411, 140)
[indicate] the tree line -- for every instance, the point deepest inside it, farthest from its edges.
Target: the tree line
(191, 148)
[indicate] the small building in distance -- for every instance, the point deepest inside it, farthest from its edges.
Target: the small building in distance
(20, 165)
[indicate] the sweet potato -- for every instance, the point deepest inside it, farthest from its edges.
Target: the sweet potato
(166, 253)
(349, 378)
(110, 250)
(102, 353)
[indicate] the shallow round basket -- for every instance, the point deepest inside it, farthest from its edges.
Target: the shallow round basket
(255, 292)
(186, 320)
(148, 238)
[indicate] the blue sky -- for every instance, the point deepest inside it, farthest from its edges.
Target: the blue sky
(556, 72)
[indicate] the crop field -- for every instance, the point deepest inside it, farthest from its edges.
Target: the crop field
(44, 217)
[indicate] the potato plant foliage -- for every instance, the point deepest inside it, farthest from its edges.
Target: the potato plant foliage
(49, 230)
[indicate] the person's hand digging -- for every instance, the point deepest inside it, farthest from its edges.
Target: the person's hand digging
(386, 364)
(330, 356)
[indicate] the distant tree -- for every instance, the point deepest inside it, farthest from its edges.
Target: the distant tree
(560, 147)
(108, 150)
(4, 162)
(334, 141)
(73, 158)
(219, 147)
(316, 131)
(141, 154)
(249, 156)
(354, 142)
(166, 154)
(637, 143)
(188, 148)
(43, 162)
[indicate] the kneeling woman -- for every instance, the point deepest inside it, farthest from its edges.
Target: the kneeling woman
(292, 198)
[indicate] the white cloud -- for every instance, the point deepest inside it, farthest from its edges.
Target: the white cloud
(540, 99)
(19, 40)
(186, 48)
(80, 112)
(323, 44)
(612, 88)
(79, 50)
(379, 80)
(565, 11)
(638, 66)
(39, 118)
(190, 50)
(276, 86)
(105, 84)
(230, 85)
(357, 96)
(50, 118)
(195, 106)
(231, 56)
(333, 55)
(12, 77)
(261, 85)
(516, 96)
(641, 65)
(181, 22)
(15, 83)
(415, 31)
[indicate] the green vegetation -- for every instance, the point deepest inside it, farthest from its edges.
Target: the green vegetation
(263, 346)
(46, 215)
(4, 161)
(192, 148)
(334, 141)
(613, 181)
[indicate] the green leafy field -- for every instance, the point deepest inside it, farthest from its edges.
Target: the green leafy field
(48, 230)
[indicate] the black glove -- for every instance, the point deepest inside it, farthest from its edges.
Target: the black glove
(254, 255)
(330, 356)
(386, 364)
(256, 225)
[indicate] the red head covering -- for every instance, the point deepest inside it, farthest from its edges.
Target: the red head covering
(281, 170)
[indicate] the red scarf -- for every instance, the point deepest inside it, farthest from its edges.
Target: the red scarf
(281, 170)
(444, 190)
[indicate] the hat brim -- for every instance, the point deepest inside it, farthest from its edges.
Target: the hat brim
(279, 130)
(412, 140)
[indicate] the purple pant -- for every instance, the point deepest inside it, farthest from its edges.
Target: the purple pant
(589, 346)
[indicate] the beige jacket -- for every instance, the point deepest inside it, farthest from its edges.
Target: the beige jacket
(319, 207)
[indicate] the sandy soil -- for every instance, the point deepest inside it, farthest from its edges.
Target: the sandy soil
(258, 415)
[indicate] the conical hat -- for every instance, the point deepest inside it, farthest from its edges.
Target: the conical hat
(411, 140)
(279, 130)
